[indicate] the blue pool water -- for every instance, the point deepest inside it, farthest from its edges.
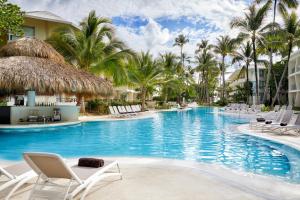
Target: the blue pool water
(199, 134)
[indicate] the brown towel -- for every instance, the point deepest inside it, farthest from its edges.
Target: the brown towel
(260, 119)
(283, 124)
(90, 162)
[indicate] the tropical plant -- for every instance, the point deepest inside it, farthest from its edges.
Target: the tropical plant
(93, 48)
(252, 27)
(180, 41)
(245, 55)
(206, 67)
(145, 73)
(11, 19)
(272, 39)
(291, 34)
(225, 46)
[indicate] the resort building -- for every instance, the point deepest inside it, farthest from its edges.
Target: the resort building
(40, 25)
(294, 79)
(238, 78)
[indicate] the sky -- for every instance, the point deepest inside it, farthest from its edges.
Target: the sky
(151, 24)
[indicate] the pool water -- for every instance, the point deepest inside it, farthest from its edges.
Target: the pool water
(199, 134)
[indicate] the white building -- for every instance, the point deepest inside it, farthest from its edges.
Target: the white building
(294, 79)
(238, 78)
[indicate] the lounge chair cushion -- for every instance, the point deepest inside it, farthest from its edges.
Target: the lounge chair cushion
(90, 162)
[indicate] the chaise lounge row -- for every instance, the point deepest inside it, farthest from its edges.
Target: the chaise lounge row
(124, 111)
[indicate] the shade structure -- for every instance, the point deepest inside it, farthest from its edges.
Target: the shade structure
(31, 64)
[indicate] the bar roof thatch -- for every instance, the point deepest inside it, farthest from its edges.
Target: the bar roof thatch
(33, 64)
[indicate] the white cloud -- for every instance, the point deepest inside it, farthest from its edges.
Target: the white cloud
(151, 36)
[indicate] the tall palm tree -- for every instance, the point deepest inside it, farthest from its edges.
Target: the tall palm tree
(270, 43)
(172, 68)
(93, 48)
(180, 41)
(205, 61)
(281, 6)
(291, 34)
(225, 46)
(145, 73)
(244, 54)
(252, 27)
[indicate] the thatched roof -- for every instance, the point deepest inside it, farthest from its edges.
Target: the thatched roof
(40, 67)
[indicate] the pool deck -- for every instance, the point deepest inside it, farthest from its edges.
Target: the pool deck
(156, 179)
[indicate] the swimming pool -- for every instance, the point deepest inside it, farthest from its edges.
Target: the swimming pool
(199, 134)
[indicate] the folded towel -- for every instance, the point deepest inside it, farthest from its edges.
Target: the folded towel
(283, 124)
(260, 119)
(90, 162)
(268, 122)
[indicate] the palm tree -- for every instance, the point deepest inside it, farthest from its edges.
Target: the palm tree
(180, 41)
(145, 73)
(172, 68)
(291, 34)
(93, 48)
(282, 6)
(251, 27)
(269, 44)
(225, 46)
(205, 61)
(245, 55)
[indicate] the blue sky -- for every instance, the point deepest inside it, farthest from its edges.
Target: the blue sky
(152, 24)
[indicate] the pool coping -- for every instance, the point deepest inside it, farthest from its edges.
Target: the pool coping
(245, 129)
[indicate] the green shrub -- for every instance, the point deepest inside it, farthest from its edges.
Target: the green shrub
(265, 108)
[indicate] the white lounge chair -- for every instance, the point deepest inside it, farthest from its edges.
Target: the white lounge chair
(278, 117)
(113, 112)
(51, 167)
(295, 126)
(129, 110)
(285, 120)
(16, 175)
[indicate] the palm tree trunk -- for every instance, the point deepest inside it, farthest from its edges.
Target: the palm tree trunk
(268, 75)
(283, 73)
(181, 54)
(223, 76)
(255, 69)
(144, 92)
(276, 85)
(247, 81)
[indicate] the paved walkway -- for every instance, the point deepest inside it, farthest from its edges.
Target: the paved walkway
(156, 179)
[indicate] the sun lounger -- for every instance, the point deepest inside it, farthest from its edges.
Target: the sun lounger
(276, 108)
(270, 117)
(285, 120)
(17, 175)
(51, 167)
(295, 126)
(129, 110)
(113, 112)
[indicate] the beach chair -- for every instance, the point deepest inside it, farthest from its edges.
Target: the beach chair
(129, 110)
(289, 107)
(16, 175)
(138, 108)
(52, 167)
(113, 112)
(295, 126)
(270, 117)
(286, 118)
(276, 108)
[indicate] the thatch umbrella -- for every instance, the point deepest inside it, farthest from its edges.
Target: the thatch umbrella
(31, 64)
